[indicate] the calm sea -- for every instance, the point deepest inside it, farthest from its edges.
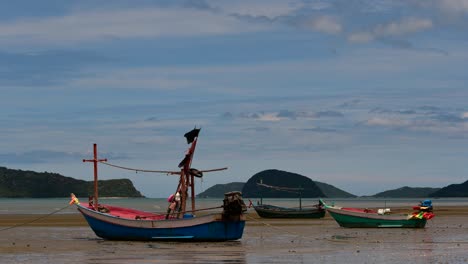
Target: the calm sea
(48, 205)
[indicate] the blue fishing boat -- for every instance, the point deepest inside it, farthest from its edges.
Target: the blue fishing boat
(178, 223)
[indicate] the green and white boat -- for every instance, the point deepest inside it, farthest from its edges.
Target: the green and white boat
(365, 218)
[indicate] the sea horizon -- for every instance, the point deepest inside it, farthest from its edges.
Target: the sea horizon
(48, 205)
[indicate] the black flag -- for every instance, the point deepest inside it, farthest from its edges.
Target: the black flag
(190, 136)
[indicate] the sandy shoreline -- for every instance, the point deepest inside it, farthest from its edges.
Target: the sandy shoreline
(67, 238)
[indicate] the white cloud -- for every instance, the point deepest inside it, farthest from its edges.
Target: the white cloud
(422, 124)
(454, 5)
(129, 23)
(388, 122)
(405, 26)
(325, 24)
(267, 8)
(139, 78)
(272, 117)
(360, 37)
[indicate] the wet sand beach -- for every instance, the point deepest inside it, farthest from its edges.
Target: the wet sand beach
(66, 238)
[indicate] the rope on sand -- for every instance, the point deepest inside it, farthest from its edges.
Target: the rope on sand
(36, 219)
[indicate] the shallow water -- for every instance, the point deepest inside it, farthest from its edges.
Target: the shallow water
(47, 205)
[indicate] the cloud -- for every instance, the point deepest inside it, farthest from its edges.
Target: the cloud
(48, 156)
(380, 110)
(85, 26)
(425, 118)
(328, 114)
(361, 37)
(264, 8)
(272, 117)
(454, 5)
(258, 129)
(46, 67)
(324, 24)
(350, 104)
(449, 117)
(387, 122)
(290, 115)
(141, 78)
(317, 130)
(403, 27)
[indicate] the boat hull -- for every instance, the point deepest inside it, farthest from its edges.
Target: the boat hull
(270, 211)
(205, 228)
(367, 220)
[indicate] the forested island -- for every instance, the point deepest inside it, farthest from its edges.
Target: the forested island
(30, 184)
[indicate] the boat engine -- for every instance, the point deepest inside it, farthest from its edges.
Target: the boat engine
(233, 205)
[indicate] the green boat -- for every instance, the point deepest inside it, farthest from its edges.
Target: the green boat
(365, 218)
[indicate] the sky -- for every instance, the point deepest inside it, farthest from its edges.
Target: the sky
(366, 95)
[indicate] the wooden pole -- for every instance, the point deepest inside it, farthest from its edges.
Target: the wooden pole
(192, 182)
(95, 161)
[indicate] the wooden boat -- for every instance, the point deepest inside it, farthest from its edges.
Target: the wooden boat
(358, 217)
(118, 223)
(271, 211)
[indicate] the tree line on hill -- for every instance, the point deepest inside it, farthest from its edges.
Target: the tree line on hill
(30, 184)
(312, 189)
(19, 184)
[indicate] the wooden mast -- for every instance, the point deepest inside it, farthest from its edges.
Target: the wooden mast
(192, 182)
(186, 178)
(95, 160)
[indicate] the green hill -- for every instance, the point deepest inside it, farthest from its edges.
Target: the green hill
(281, 179)
(407, 192)
(19, 184)
(219, 190)
(333, 192)
(453, 190)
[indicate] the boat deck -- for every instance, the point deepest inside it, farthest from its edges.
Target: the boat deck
(128, 213)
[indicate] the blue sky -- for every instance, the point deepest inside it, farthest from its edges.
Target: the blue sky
(364, 95)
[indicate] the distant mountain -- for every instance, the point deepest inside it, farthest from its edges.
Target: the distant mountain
(453, 190)
(407, 192)
(281, 179)
(19, 184)
(333, 192)
(219, 190)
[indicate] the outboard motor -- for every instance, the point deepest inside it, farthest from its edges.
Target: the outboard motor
(233, 205)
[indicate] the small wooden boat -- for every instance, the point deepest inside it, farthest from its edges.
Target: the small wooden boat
(358, 217)
(118, 223)
(271, 211)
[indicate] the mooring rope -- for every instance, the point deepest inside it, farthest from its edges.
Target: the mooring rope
(36, 219)
(139, 170)
(277, 228)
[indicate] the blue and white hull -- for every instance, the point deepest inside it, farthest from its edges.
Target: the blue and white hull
(213, 227)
